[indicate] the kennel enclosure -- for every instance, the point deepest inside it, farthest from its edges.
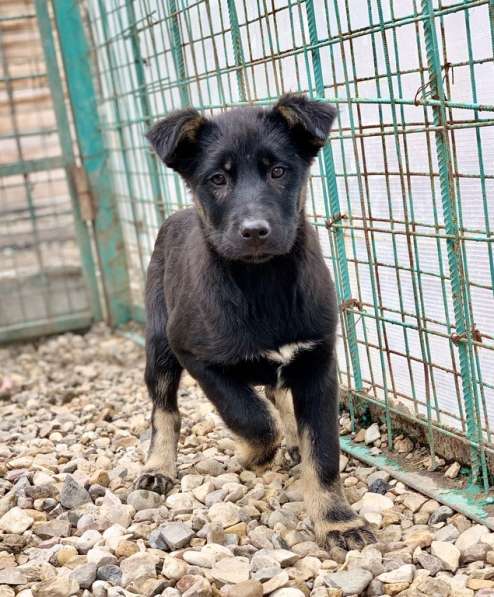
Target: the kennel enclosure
(402, 196)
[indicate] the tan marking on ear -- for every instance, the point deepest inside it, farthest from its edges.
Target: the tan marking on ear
(320, 500)
(191, 127)
(163, 448)
(289, 115)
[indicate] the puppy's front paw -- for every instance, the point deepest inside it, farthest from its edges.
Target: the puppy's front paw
(349, 539)
(154, 481)
(341, 527)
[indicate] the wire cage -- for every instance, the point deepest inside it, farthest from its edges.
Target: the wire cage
(401, 196)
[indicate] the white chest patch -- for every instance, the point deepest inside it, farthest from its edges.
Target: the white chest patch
(285, 353)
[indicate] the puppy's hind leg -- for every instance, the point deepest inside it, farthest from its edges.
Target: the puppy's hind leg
(162, 377)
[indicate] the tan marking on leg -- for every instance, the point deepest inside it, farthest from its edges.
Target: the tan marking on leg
(251, 454)
(283, 401)
(320, 500)
(163, 448)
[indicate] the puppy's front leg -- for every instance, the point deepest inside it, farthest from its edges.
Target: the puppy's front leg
(312, 378)
(249, 416)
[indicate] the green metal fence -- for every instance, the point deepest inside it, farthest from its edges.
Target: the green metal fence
(402, 196)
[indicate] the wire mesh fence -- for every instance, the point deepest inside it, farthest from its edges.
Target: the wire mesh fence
(42, 288)
(401, 197)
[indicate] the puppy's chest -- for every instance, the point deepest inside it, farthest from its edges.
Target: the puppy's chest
(285, 354)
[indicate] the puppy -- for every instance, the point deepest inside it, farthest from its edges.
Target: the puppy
(238, 294)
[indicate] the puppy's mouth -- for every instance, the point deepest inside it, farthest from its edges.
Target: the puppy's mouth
(257, 258)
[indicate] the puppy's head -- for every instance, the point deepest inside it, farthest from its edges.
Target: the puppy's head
(247, 170)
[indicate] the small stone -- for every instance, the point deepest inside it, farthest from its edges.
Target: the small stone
(413, 501)
(287, 592)
(350, 582)
(277, 582)
(372, 434)
(53, 528)
(126, 549)
(403, 445)
(59, 586)
(433, 587)
(175, 535)
(210, 466)
(440, 515)
(181, 503)
(73, 493)
(476, 584)
(402, 574)
(173, 568)
(471, 536)
(453, 470)
(66, 554)
(12, 576)
(198, 558)
(373, 502)
(15, 521)
(447, 553)
(139, 565)
(85, 575)
(231, 570)
(201, 588)
(227, 514)
(379, 486)
(110, 573)
(248, 588)
(141, 499)
(429, 562)
(447, 533)
(474, 553)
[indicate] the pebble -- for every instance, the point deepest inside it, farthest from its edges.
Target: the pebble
(85, 575)
(447, 553)
(59, 586)
(440, 515)
(471, 537)
(373, 502)
(15, 521)
(372, 434)
(73, 493)
(351, 583)
(231, 570)
(226, 513)
(142, 499)
(173, 536)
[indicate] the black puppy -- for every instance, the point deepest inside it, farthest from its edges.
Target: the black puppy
(238, 294)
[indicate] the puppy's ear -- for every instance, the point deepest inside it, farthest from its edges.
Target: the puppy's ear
(174, 139)
(309, 121)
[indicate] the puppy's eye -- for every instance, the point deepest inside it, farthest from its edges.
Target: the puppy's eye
(218, 179)
(277, 172)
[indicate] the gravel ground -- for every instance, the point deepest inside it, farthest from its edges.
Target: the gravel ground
(73, 435)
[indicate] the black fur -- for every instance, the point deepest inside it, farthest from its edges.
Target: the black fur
(218, 299)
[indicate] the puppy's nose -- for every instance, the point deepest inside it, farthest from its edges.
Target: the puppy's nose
(255, 230)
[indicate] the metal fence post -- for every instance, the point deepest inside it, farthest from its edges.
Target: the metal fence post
(59, 107)
(454, 245)
(334, 204)
(108, 231)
